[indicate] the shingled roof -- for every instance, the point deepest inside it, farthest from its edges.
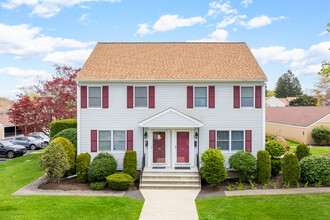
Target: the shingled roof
(130, 61)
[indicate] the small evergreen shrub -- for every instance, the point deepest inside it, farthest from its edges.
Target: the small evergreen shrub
(97, 185)
(291, 169)
(102, 166)
(263, 167)
(275, 148)
(276, 166)
(70, 134)
(245, 164)
(83, 161)
(130, 163)
(268, 137)
(302, 151)
(54, 162)
(213, 169)
(315, 169)
(60, 125)
(71, 152)
(321, 135)
(120, 181)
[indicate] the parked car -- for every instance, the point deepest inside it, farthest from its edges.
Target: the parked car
(28, 142)
(40, 136)
(10, 150)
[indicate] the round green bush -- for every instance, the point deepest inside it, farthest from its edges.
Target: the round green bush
(315, 169)
(97, 185)
(54, 161)
(276, 166)
(291, 169)
(120, 181)
(102, 166)
(60, 125)
(275, 148)
(321, 135)
(268, 137)
(83, 161)
(70, 134)
(213, 169)
(71, 152)
(263, 167)
(130, 163)
(302, 151)
(245, 164)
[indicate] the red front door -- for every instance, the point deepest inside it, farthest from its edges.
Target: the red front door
(182, 147)
(158, 147)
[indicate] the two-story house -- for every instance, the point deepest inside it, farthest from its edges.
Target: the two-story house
(170, 102)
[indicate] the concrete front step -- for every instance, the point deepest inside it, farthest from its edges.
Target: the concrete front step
(174, 176)
(170, 186)
(170, 181)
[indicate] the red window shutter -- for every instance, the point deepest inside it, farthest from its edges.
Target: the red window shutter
(211, 97)
(129, 96)
(151, 96)
(93, 140)
(212, 139)
(190, 96)
(129, 139)
(83, 96)
(258, 97)
(105, 96)
(248, 140)
(237, 97)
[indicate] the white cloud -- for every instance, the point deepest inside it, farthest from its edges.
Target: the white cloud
(25, 41)
(323, 33)
(217, 8)
(260, 21)
(300, 61)
(228, 20)
(169, 22)
(245, 3)
(84, 18)
(71, 58)
(218, 35)
(47, 8)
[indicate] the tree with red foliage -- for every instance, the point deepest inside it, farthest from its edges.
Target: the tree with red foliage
(55, 99)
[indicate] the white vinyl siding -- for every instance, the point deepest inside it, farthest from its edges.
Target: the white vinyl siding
(141, 97)
(247, 97)
(94, 97)
(200, 97)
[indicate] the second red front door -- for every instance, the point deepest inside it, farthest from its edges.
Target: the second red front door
(182, 147)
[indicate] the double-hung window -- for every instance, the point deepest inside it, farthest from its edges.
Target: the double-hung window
(200, 96)
(237, 140)
(105, 140)
(119, 143)
(141, 97)
(94, 97)
(247, 97)
(223, 140)
(230, 140)
(112, 141)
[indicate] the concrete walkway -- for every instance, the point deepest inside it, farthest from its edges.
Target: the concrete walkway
(169, 204)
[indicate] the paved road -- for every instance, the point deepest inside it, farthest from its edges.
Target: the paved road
(4, 158)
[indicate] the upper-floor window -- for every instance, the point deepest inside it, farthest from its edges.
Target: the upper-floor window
(200, 96)
(247, 97)
(141, 97)
(94, 97)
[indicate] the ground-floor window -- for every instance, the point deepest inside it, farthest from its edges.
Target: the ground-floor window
(112, 141)
(230, 140)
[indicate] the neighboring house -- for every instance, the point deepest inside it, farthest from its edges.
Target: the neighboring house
(7, 129)
(296, 123)
(278, 102)
(5, 105)
(170, 102)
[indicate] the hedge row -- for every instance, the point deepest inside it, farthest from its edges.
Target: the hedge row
(58, 126)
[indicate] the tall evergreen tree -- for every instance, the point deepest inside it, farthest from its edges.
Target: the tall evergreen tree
(288, 86)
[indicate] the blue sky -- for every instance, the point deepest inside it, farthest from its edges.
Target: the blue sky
(36, 34)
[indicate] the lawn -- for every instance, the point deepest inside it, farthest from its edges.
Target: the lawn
(319, 151)
(291, 143)
(18, 172)
(308, 206)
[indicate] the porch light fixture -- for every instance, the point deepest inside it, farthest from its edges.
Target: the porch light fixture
(145, 135)
(196, 135)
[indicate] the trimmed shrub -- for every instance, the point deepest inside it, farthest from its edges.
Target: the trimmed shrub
(54, 162)
(321, 135)
(302, 151)
(245, 164)
(97, 185)
(60, 125)
(268, 137)
(130, 163)
(213, 169)
(120, 181)
(275, 148)
(315, 169)
(276, 166)
(291, 169)
(70, 152)
(263, 167)
(83, 161)
(102, 166)
(70, 134)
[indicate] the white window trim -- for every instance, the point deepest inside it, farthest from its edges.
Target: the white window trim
(147, 96)
(111, 138)
(88, 97)
(207, 97)
(230, 140)
(254, 97)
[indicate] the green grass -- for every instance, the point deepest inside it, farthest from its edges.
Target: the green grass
(319, 151)
(308, 206)
(291, 143)
(18, 172)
